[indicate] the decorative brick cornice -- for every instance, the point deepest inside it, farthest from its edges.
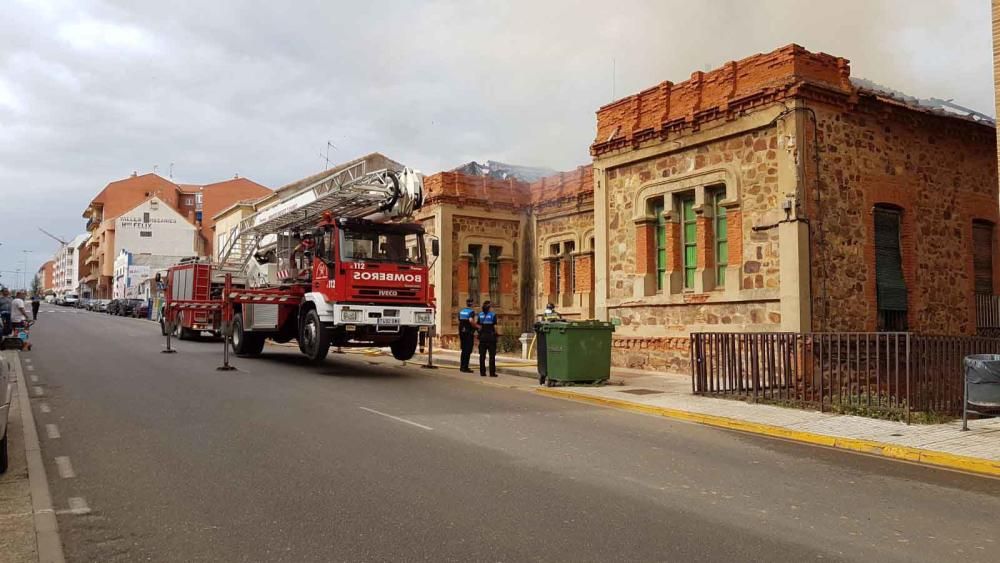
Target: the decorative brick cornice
(723, 93)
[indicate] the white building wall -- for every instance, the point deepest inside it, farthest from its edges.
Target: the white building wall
(134, 271)
(66, 268)
(153, 227)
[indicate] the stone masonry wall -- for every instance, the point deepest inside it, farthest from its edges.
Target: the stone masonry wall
(752, 157)
(941, 171)
(466, 229)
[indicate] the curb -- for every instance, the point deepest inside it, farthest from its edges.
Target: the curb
(932, 458)
(50, 549)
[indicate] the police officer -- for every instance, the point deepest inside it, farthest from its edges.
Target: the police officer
(466, 334)
(486, 323)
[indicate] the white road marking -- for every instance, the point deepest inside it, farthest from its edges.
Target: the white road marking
(44, 407)
(34, 379)
(38, 391)
(65, 467)
(30, 368)
(27, 360)
(396, 418)
(77, 506)
(52, 430)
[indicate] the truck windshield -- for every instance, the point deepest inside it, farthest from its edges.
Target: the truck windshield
(374, 246)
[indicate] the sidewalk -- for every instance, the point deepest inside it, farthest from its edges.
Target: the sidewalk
(17, 527)
(943, 445)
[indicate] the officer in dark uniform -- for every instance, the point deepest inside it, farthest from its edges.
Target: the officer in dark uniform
(486, 323)
(466, 334)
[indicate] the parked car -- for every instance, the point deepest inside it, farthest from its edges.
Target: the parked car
(70, 299)
(6, 393)
(129, 306)
(100, 305)
(83, 303)
(112, 307)
(141, 310)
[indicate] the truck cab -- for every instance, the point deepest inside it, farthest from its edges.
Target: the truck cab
(363, 283)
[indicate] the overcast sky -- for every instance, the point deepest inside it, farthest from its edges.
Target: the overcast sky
(93, 90)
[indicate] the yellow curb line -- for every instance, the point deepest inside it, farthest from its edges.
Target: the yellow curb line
(893, 451)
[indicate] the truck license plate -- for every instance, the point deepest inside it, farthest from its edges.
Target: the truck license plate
(394, 321)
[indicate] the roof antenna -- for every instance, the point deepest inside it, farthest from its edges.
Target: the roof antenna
(171, 171)
(613, 69)
(327, 157)
(155, 166)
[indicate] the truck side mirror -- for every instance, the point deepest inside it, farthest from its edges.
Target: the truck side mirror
(158, 278)
(436, 247)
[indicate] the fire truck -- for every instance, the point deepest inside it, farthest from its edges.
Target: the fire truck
(335, 263)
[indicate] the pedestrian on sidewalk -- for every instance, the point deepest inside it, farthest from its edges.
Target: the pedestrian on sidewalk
(486, 324)
(5, 302)
(19, 318)
(466, 334)
(36, 302)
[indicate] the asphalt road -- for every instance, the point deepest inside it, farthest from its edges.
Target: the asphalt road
(350, 461)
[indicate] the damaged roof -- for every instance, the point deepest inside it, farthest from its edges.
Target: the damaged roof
(937, 106)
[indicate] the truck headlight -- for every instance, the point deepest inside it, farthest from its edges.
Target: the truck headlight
(422, 318)
(350, 316)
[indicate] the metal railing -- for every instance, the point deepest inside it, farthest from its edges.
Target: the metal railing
(859, 372)
(987, 311)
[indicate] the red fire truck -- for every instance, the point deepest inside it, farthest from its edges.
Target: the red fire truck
(331, 264)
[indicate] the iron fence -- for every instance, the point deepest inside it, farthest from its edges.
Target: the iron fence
(860, 372)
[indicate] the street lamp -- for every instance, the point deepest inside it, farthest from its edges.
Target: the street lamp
(24, 282)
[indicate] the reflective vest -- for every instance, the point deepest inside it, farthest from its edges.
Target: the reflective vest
(465, 320)
(487, 326)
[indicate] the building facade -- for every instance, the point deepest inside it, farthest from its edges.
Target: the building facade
(777, 193)
(66, 266)
(46, 276)
(123, 196)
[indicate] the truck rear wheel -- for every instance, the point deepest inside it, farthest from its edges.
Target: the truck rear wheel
(314, 340)
(404, 348)
(246, 343)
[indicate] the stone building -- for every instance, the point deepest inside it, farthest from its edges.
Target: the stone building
(779, 194)
(482, 224)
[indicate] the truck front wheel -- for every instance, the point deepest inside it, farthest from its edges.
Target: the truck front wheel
(314, 340)
(246, 343)
(404, 348)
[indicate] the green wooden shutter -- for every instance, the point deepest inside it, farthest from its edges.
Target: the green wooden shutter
(689, 232)
(889, 282)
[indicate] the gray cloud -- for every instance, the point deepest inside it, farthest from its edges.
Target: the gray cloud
(91, 90)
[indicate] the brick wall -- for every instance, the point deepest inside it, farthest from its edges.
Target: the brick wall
(735, 87)
(461, 189)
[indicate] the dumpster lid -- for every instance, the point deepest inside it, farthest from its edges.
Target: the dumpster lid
(575, 325)
(982, 368)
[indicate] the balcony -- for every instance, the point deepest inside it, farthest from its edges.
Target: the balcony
(92, 259)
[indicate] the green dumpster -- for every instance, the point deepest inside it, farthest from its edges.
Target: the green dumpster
(577, 351)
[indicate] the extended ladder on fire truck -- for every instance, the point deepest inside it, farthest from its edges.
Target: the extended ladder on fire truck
(352, 192)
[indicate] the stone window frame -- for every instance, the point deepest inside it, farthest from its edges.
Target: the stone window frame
(484, 242)
(702, 183)
(560, 239)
